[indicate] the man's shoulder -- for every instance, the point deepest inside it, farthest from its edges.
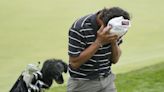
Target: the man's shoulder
(81, 22)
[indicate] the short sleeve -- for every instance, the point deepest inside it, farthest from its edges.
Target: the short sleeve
(76, 42)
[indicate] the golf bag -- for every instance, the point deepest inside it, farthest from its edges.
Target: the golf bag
(34, 79)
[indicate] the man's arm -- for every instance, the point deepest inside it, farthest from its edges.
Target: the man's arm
(116, 52)
(103, 37)
(76, 62)
(85, 55)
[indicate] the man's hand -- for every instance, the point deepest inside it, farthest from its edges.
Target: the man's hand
(104, 36)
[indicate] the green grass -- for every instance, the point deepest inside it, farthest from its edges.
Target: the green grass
(35, 30)
(58, 89)
(148, 79)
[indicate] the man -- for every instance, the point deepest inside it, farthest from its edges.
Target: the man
(92, 51)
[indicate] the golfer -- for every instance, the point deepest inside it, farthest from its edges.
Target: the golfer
(92, 51)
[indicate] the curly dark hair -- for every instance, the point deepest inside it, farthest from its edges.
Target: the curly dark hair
(108, 13)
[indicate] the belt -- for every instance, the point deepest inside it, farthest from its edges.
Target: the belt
(105, 75)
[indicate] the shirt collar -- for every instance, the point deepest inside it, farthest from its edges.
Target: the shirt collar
(94, 22)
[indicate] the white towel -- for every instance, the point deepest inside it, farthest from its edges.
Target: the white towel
(119, 25)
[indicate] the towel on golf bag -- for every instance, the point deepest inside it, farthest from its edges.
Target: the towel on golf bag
(35, 80)
(35, 86)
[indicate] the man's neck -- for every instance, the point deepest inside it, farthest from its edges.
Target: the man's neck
(98, 20)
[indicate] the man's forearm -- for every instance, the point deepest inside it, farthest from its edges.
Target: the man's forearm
(116, 52)
(76, 62)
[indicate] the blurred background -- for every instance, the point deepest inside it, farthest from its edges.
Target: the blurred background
(36, 30)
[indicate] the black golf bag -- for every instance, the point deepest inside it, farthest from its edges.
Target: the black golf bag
(34, 79)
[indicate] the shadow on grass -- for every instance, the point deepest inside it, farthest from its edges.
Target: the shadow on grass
(148, 79)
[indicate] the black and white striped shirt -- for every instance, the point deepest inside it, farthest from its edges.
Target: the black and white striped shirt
(81, 35)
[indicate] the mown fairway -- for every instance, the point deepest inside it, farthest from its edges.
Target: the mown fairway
(35, 30)
(148, 79)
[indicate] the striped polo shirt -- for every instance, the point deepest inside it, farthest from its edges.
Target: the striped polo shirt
(81, 35)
